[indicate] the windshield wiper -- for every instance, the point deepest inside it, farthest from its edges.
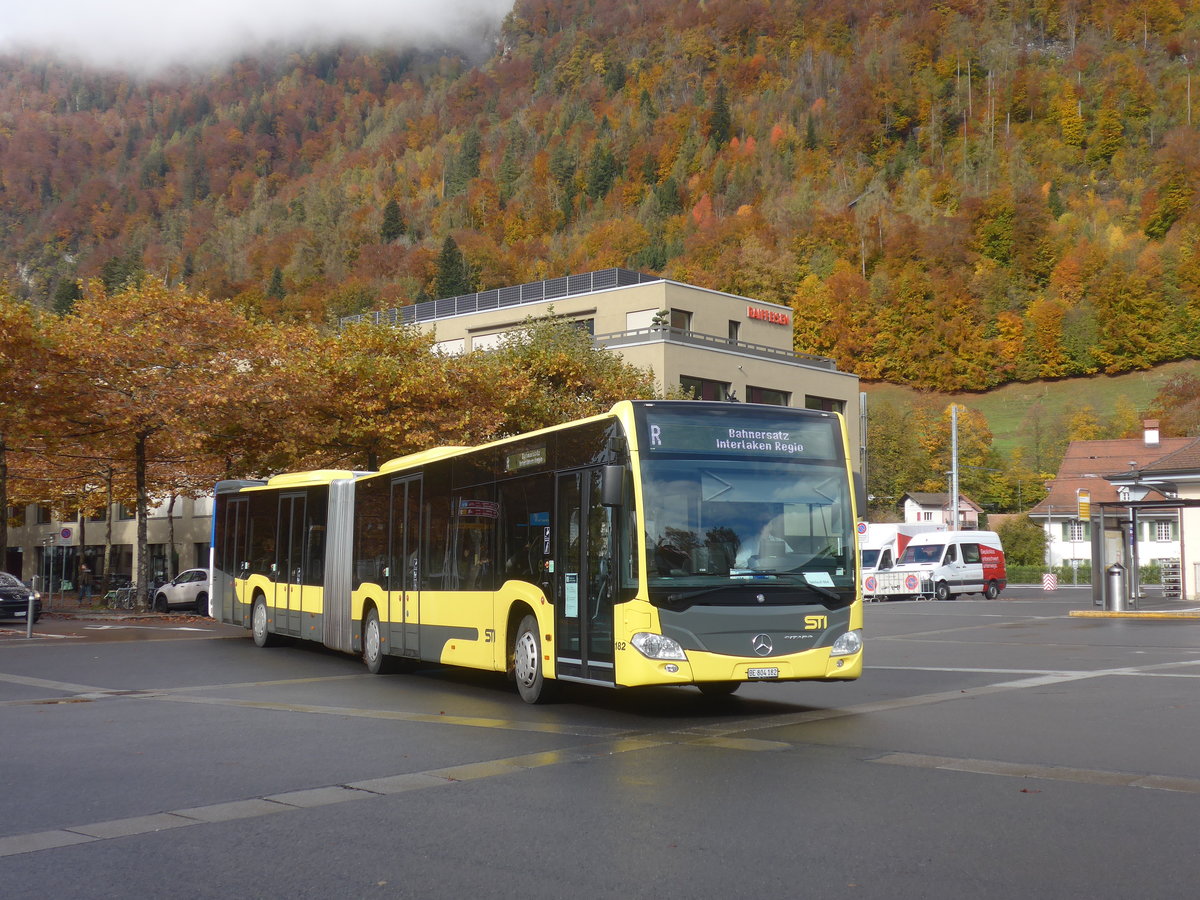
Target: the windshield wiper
(678, 598)
(797, 580)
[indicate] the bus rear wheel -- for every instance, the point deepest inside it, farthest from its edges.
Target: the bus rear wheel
(527, 663)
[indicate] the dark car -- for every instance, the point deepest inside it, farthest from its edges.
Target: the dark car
(14, 599)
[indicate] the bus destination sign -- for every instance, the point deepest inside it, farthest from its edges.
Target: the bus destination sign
(808, 439)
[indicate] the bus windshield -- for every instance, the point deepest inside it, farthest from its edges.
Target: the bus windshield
(714, 522)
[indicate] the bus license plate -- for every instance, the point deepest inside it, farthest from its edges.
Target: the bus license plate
(762, 673)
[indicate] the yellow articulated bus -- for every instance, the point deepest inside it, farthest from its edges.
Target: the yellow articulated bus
(664, 543)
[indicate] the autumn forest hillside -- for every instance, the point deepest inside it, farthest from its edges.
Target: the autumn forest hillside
(952, 196)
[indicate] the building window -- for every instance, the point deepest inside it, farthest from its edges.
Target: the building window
(735, 329)
(828, 404)
(768, 395)
(44, 515)
(703, 388)
(587, 326)
(681, 319)
(1075, 531)
(16, 516)
(486, 341)
(927, 515)
(1164, 530)
(126, 512)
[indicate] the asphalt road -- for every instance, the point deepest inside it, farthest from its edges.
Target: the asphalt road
(992, 749)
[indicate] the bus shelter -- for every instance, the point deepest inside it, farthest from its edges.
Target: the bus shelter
(1114, 529)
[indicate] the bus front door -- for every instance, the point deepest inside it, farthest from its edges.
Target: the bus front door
(290, 564)
(404, 574)
(583, 577)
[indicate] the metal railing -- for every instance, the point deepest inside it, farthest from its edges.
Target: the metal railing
(500, 298)
(710, 341)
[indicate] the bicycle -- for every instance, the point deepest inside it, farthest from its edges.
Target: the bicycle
(121, 598)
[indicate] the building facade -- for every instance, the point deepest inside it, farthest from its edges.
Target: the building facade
(716, 346)
(926, 508)
(45, 550)
(1086, 474)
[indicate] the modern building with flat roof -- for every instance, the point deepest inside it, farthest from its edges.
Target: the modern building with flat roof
(714, 345)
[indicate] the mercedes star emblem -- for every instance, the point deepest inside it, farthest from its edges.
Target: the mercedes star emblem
(762, 644)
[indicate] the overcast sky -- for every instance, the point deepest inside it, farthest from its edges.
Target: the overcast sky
(150, 34)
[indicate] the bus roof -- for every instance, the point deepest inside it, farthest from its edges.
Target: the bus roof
(316, 476)
(436, 453)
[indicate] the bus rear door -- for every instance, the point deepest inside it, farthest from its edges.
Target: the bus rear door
(404, 573)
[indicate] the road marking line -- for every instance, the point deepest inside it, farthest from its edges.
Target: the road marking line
(400, 715)
(1048, 773)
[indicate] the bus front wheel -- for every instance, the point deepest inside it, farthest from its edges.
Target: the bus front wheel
(718, 688)
(258, 623)
(372, 644)
(527, 663)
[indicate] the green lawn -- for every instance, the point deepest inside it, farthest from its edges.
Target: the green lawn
(1005, 408)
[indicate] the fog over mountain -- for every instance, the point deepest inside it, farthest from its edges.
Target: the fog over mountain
(147, 35)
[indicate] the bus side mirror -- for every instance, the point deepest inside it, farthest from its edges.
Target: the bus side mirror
(860, 495)
(612, 485)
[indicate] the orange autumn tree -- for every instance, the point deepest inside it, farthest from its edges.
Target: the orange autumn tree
(147, 365)
(371, 393)
(21, 356)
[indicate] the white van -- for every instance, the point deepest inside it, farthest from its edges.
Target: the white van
(944, 564)
(881, 544)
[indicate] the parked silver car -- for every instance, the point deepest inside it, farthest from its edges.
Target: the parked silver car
(188, 590)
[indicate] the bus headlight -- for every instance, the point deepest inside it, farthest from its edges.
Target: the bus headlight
(657, 646)
(848, 643)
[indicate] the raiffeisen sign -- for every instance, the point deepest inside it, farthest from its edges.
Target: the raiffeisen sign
(772, 316)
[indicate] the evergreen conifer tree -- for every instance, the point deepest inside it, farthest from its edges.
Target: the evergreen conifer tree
(453, 277)
(393, 226)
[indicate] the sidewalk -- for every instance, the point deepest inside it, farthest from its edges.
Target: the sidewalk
(1150, 605)
(67, 607)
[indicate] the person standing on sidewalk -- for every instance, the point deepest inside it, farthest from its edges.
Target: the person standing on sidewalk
(85, 583)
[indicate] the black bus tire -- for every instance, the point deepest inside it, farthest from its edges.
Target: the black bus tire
(376, 660)
(258, 623)
(527, 663)
(718, 688)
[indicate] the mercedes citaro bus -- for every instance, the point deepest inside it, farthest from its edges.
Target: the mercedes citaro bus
(661, 543)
